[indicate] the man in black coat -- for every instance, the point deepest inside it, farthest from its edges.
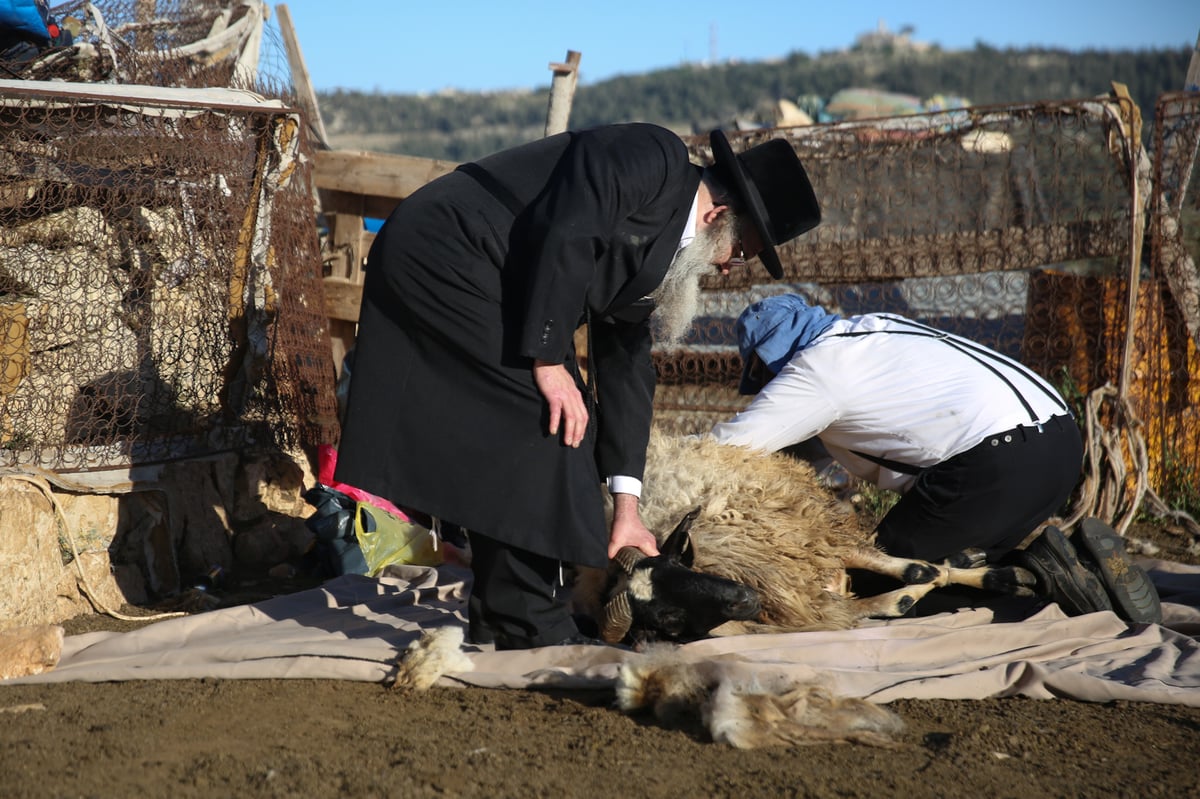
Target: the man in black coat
(466, 403)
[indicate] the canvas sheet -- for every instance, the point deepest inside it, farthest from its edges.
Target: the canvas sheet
(354, 628)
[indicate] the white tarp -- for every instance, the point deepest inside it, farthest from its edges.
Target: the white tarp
(353, 628)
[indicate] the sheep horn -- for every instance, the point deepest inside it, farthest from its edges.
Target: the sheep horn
(617, 618)
(628, 557)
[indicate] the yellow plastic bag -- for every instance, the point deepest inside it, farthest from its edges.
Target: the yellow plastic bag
(386, 539)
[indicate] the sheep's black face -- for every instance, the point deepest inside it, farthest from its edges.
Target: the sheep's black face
(672, 602)
(668, 600)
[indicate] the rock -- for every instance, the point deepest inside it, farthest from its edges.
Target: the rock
(268, 484)
(30, 553)
(137, 546)
(29, 650)
(88, 585)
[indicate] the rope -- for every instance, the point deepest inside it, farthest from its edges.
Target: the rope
(86, 586)
(1108, 491)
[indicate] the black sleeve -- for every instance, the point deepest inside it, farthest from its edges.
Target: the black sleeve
(620, 363)
(604, 176)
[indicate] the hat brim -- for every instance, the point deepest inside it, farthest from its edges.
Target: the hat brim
(727, 162)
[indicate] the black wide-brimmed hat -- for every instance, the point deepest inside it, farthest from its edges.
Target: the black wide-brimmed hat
(775, 192)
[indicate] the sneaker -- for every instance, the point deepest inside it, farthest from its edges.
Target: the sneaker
(1133, 595)
(1061, 577)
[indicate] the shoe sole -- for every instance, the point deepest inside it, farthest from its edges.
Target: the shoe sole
(1133, 595)
(1067, 581)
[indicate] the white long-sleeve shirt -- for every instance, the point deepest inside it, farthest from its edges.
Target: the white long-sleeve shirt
(913, 399)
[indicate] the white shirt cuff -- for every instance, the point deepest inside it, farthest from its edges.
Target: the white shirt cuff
(624, 484)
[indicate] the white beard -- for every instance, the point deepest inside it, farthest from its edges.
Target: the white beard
(677, 299)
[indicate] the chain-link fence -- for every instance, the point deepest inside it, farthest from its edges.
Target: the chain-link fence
(160, 291)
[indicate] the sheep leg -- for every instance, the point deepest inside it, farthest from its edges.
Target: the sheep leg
(906, 570)
(891, 604)
(1004, 579)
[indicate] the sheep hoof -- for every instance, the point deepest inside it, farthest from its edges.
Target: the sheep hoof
(971, 558)
(917, 572)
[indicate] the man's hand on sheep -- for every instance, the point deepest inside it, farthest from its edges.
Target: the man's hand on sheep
(627, 528)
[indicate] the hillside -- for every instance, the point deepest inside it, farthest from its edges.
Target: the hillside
(461, 125)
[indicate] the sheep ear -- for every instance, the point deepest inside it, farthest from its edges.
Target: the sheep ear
(678, 546)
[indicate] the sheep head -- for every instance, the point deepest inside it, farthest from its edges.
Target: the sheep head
(664, 598)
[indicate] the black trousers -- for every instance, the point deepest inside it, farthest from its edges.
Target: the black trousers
(990, 497)
(516, 601)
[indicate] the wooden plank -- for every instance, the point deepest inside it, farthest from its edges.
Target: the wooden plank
(341, 338)
(368, 206)
(343, 298)
(376, 174)
(305, 96)
(354, 185)
(346, 236)
(46, 93)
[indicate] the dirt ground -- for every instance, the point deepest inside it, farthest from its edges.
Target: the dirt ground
(305, 738)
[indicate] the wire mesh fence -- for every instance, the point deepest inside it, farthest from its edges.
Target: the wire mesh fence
(160, 291)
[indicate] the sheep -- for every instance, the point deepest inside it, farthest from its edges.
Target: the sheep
(762, 521)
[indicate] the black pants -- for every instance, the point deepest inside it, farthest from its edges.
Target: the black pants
(515, 599)
(990, 497)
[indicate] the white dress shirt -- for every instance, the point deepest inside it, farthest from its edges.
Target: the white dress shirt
(914, 399)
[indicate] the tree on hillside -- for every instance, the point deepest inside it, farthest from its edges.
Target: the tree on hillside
(691, 99)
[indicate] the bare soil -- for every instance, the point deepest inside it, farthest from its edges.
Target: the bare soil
(305, 738)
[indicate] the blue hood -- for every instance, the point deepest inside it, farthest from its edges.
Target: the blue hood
(776, 328)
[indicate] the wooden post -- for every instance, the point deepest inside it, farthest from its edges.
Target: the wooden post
(350, 242)
(562, 93)
(1138, 224)
(304, 90)
(1192, 82)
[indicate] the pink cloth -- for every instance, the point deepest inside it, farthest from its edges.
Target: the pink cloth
(327, 464)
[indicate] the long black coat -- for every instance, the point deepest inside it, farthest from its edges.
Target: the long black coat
(470, 279)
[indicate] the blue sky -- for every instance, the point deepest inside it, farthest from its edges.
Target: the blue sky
(479, 45)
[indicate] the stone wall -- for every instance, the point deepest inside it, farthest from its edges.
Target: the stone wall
(144, 540)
